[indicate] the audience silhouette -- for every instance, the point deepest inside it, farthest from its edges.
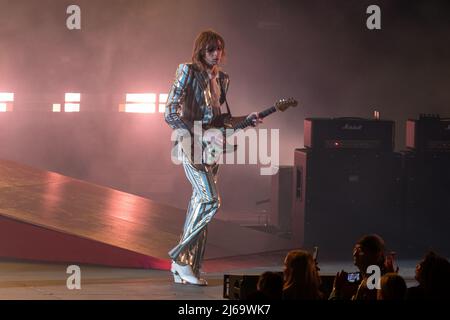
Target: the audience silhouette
(433, 275)
(393, 287)
(301, 278)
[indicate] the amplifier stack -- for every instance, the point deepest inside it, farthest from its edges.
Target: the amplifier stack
(345, 183)
(427, 183)
(429, 133)
(348, 181)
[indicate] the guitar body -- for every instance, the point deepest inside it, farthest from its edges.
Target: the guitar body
(214, 144)
(221, 121)
(225, 121)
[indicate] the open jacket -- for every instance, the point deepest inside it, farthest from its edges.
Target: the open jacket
(189, 98)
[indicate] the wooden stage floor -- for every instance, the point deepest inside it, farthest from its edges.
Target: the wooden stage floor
(38, 281)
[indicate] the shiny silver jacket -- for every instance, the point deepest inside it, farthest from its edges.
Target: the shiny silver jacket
(189, 98)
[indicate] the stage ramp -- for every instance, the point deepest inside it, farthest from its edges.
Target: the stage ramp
(46, 216)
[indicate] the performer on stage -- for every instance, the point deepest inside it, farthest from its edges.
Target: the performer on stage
(198, 91)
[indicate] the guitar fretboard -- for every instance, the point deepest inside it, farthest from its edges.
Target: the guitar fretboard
(248, 122)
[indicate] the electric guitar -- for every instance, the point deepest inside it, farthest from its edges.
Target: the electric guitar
(216, 144)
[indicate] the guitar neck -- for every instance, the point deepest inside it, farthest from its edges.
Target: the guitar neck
(247, 122)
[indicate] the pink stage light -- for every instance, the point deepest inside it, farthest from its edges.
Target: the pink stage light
(162, 102)
(139, 103)
(72, 102)
(140, 107)
(141, 97)
(72, 97)
(6, 97)
(56, 107)
(6, 101)
(71, 107)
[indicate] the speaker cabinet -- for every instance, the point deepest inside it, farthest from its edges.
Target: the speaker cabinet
(428, 200)
(281, 199)
(340, 195)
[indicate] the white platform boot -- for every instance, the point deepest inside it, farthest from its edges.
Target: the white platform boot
(185, 275)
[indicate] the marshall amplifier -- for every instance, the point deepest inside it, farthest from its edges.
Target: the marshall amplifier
(349, 133)
(429, 133)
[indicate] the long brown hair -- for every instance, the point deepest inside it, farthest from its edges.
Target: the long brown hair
(205, 38)
(302, 280)
(434, 276)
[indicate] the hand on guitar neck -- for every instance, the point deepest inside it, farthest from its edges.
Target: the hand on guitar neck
(225, 121)
(254, 118)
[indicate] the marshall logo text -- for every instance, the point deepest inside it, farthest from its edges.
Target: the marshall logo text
(352, 127)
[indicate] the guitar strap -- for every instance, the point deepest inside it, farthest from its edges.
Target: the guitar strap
(224, 94)
(226, 103)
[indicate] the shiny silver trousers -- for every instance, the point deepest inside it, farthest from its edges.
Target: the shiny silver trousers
(203, 206)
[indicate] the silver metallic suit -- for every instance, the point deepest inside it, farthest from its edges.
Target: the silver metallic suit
(189, 100)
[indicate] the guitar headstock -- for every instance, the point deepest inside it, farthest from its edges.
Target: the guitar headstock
(284, 104)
